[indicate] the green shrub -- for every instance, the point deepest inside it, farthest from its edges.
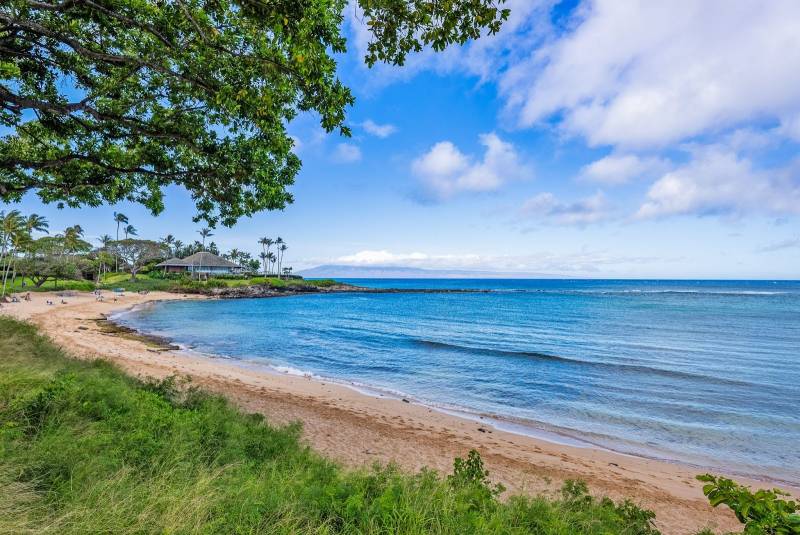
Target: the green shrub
(470, 473)
(761, 512)
(194, 285)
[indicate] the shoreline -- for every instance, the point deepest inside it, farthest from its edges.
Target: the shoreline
(507, 424)
(357, 428)
(537, 430)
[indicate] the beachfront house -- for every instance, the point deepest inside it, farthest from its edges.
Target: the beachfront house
(202, 263)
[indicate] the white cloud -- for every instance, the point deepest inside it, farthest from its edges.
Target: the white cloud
(790, 127)
(789, 243)
(619, 169)
(645, 79)
(584, 261)
(643, 73)
(445, 171)
(347, 153)
(380, 130)
(547, 207)
(387, 258)
(444, 158)
(717, 181)
(632, 73)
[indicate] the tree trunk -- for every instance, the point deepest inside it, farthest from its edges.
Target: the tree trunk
(13, 272)
(116, 258)
(6, 269)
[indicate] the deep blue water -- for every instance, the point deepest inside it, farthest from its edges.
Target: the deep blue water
(694, 371)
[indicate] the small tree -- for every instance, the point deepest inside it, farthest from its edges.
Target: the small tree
(136, 253)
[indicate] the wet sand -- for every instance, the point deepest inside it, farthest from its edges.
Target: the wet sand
(357, 429)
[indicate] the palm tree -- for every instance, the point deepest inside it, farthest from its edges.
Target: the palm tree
(20, 242)
(12, 225)
(178, 248)
(263, 256)
(281, 249)
(33, 222)
(72, 238)
(205, 233)
(234, 255)
(278, 242)
(105, 240)
(119, 218)
(130, 230)
(265, 243)
(37, 223)
(271, 258)
(169, 241)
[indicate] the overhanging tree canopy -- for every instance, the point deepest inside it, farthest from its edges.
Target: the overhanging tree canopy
(110, 100)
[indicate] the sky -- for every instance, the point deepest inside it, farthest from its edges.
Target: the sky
(606, 138)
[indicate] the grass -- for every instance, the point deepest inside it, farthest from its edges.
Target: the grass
(85, 448)
(146, 282)
(109, 282)
(50, 285)
(279, 283)
(157, 283)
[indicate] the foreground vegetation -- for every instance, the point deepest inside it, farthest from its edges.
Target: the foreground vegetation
(84, 448)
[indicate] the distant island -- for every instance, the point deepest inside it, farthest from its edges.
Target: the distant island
(344, 271)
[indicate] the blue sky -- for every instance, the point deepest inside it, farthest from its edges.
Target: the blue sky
(605, 139)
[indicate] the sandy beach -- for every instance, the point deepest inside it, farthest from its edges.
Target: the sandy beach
(358, 429)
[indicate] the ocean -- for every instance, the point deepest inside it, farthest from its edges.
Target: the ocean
(699, 372)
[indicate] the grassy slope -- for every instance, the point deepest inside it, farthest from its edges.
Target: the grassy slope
(50, 285)
(84, 448)
(144, 282)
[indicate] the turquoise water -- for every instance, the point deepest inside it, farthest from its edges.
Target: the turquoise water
(694, 371)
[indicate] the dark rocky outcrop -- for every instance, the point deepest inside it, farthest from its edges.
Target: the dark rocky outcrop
(263, 290)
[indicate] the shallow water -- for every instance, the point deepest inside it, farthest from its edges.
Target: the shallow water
(694, 371)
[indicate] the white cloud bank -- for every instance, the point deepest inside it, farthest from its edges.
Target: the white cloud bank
(617, 169)
(788, 243)
(644, 79)
(445, 171)
(640, 73)
(546, 207)
(379, 130)
(717, 181)
(387, 258)
(585, 261)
